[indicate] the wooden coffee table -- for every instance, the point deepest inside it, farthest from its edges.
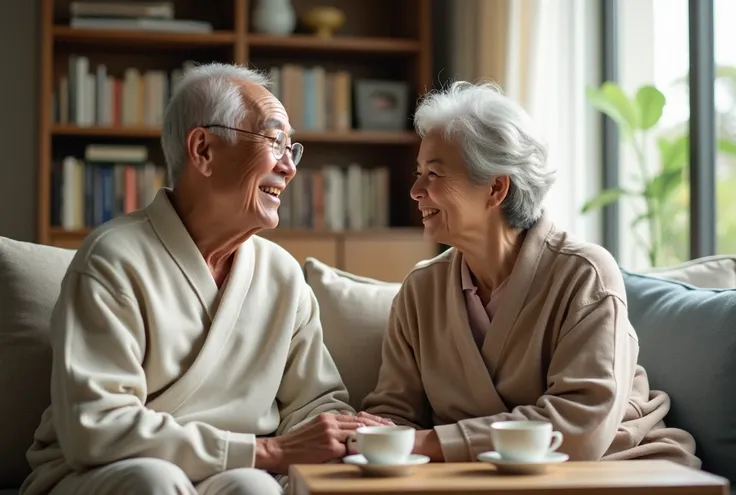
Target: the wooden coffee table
(646, 477)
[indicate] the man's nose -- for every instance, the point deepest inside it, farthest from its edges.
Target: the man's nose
(285, 165)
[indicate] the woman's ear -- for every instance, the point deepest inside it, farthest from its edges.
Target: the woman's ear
(499, 190)
(199, 149)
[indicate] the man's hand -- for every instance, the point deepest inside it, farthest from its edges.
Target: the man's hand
(320, 440)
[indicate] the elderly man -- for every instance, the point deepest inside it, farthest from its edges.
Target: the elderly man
(188, 353)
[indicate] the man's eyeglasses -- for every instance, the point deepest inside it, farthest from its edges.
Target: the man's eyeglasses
(278, 143)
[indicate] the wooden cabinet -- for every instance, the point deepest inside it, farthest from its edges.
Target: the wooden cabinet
(386, 256)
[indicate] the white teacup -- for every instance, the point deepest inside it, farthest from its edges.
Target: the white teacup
(524, 441)
(385, 444)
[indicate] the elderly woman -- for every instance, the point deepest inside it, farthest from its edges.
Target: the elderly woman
(518, 320)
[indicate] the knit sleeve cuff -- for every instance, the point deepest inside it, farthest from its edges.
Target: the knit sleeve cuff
(241, 451)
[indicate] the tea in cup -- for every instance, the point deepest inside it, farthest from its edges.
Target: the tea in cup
(524, 441)
(385, 444)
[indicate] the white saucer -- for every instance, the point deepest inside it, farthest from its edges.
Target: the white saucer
(386, 469)
(516, 467)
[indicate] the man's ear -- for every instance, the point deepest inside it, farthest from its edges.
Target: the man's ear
(199, 150)
(498, 191)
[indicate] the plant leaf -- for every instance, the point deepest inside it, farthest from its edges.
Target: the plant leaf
(651, 102)
(663, 184)
(641, 218)
(727, 146)
(613, 93)
(605, 197)
(603, 104)
(674, 154)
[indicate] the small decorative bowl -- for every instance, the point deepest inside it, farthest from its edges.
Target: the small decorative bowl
(324, 21)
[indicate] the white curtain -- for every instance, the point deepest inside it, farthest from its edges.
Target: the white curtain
(543, 53)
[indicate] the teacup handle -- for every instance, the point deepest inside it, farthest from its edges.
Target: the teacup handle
(556, 441)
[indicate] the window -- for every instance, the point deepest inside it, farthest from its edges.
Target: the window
(725, 106)
(653, 49)
(664, 217)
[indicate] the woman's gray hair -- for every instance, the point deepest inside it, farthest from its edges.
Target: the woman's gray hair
(206, 94)
(497, 138)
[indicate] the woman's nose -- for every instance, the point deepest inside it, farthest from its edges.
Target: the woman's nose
(417, 190)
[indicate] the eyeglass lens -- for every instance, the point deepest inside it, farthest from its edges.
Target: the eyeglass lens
(279, 148)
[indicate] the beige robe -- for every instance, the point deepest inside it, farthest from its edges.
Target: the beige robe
(152, 360)
(560, 349)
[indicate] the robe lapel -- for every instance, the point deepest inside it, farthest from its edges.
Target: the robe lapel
(516, 291)
(180, 245)
(223, 319)
(476, 371)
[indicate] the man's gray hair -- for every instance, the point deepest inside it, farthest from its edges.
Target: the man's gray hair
(497, 138)
(206, 94)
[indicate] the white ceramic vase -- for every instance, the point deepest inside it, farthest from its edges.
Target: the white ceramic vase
(275, 17)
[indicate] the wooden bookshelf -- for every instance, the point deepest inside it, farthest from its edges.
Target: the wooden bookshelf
(381, 39)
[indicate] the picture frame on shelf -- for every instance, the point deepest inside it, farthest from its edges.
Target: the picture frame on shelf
(381, 105)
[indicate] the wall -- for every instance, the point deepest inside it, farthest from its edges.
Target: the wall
(19, 53)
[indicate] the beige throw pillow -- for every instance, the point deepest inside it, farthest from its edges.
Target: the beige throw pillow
(30, 280)
(354, 312)
(711, 272)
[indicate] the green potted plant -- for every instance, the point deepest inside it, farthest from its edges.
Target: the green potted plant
(636, 118)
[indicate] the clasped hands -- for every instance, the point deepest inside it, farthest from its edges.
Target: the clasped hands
(325, 438)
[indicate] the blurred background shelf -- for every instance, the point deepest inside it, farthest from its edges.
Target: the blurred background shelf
(317, 79)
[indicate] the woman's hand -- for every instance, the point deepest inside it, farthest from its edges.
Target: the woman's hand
(374, 419)
(428, 443)
(370, 420)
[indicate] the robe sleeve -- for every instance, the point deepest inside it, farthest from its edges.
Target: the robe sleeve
(589, 380)
(311, 384)
(399, 394)
(98, 390)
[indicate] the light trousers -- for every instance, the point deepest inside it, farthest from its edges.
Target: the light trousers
(145, 476)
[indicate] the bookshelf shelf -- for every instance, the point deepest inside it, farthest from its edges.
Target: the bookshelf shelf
(116, 131)
(357, 137)
(141, 132)
(141, 38)
(313, 44)
(69, 233)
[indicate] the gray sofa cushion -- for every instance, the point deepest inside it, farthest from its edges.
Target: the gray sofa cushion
(30, 278)
(687, 339)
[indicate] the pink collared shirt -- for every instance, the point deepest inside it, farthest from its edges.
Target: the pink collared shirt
(479, 316)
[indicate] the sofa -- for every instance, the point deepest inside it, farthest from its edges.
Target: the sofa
(685, 317)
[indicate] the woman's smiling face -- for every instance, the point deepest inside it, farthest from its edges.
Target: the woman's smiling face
(449, 201)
